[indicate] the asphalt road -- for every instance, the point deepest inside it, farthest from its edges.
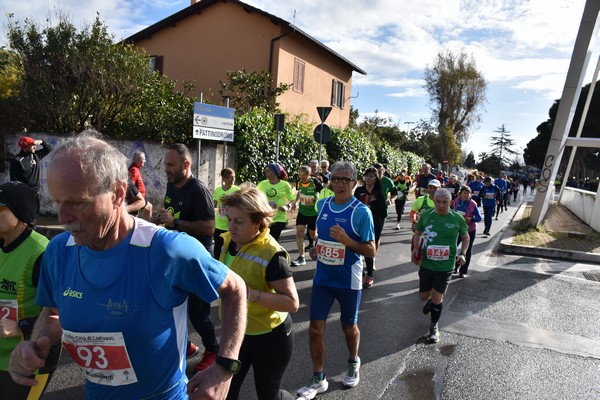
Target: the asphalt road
(516, 328)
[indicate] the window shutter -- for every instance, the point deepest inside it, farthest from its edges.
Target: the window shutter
(333, 92)
(158, 64)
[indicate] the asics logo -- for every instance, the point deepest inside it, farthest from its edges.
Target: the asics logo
(72, 293)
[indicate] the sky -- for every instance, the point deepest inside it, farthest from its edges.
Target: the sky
(521, 47)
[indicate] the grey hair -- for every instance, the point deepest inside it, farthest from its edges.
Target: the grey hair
(137, 155)
(442, 193)
(102, 164)
(344, 166)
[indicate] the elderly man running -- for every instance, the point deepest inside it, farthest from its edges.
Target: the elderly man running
(436, 233)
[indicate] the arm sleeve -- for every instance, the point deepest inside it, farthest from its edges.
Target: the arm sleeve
(204, 208)
(278, 268)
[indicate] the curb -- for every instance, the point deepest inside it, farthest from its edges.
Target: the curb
(506, 246)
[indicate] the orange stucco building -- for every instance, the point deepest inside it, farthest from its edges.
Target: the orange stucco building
(203, 41)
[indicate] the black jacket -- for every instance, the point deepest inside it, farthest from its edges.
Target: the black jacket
(25, 167)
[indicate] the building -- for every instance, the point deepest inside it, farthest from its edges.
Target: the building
(203, 41)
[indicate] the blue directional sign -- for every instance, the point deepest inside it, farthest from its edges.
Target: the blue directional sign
(213, 122)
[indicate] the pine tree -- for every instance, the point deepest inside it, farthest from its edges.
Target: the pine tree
(501, 145)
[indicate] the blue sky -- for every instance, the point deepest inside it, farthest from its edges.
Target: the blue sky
(522, 48)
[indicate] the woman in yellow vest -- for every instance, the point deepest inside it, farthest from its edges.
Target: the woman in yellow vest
(20, 258)
(251, 252)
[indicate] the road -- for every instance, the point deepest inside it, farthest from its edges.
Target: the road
(516, 328)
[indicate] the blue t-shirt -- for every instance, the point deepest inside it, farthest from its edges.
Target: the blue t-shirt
(489, 195)
(501, 183)
(476, 188)
(124, 310)
(338, 266)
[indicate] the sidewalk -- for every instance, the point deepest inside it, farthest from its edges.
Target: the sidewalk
(569, 238)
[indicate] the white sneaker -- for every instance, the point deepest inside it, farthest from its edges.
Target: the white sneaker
(314, 387)
(352, 376)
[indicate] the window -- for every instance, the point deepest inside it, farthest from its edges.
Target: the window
(338, 93)
(155, 63)
(298, 85)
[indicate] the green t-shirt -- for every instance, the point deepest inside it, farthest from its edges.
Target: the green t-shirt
(386, 185)
(308, 193)
(220, 215)
(422, 203)
(279, 194)
(440, 234)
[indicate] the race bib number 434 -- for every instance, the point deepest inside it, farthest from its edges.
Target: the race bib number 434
(101, 355)
(330, 253)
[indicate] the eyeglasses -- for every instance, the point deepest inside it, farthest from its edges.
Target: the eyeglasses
(342, 179)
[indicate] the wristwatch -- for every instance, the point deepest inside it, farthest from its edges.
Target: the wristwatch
(229, 364)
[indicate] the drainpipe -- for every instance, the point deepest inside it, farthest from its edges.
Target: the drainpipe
(271, 51)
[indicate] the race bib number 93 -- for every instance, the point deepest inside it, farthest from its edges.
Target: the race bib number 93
(101, 355)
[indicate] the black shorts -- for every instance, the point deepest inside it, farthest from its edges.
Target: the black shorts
(435, 280)
(310, 221)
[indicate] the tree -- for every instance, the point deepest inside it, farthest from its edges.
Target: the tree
(74, 79)
(490, 163)
(11, 74)
(424, 141)
(501, 145)
(470, 160)
(584, 161)
(251, 89)
(456, 93)
(379, 130)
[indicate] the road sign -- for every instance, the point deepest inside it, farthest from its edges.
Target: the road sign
(323, 112)
(326, 133)
(279, 122)
(213, 122)
(212, 134)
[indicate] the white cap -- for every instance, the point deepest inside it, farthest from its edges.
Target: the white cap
(434, 182)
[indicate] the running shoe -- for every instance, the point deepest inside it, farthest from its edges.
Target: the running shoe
(208, 359)
(192, 350)
(299, 261)
(314, 387)
(352, 376)
(434, 335)
(310, 246)
(397, 227)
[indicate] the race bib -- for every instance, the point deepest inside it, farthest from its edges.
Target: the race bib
(476, 193)
(463, 213)
(101, 355)
(438, 253)
(223, 212)
(490, 195)
(9, 318)
(330, 253)
(307, 200)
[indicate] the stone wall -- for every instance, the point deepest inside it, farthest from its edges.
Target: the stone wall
(214, 156)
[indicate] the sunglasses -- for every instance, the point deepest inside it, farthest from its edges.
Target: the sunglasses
(342, 179)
